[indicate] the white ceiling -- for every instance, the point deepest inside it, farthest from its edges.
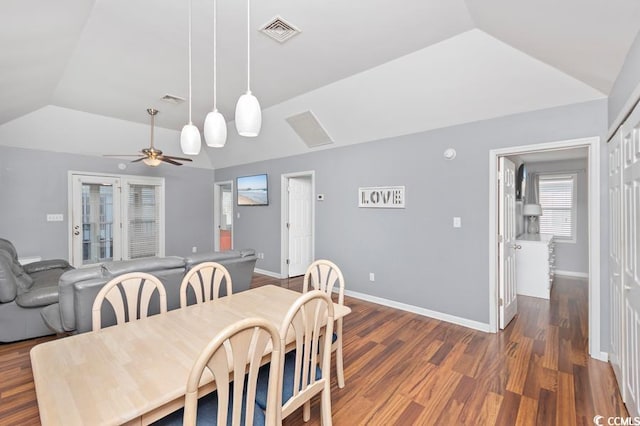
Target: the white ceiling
(368, 69)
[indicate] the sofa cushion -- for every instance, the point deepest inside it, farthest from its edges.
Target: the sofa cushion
(44, 265)
(8, 286)
(38, 296)
(148, 264)
(22, 279)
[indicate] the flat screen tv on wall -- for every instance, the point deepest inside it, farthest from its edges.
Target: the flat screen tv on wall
(253, 190)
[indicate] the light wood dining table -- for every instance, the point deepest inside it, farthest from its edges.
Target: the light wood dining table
(136, 373)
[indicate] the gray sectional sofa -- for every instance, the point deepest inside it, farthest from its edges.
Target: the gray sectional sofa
(78, 288)
(50, 296)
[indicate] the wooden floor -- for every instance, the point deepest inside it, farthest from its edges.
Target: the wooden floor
(405, 369)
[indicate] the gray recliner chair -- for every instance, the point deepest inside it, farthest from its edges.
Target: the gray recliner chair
(24, 291)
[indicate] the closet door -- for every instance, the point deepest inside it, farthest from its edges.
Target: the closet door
(615, 258)
(631, 261)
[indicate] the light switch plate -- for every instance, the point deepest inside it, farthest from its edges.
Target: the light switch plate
(457, 222)
(55, 217)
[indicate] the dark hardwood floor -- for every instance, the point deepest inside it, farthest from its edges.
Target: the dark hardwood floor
(405, 369)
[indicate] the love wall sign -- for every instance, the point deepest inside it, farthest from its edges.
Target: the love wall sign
(381, 197)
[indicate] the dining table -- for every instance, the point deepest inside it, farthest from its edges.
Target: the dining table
(136, 373)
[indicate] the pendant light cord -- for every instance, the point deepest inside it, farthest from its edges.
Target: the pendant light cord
(215, 56)
(248, 46)
(190, 122)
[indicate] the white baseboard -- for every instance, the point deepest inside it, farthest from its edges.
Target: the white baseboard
(601, 356)
(572, 274)
(268, 273)
(421, 311)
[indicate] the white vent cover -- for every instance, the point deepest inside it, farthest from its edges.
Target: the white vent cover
(279, 29)
(307, 126)
(172, 99)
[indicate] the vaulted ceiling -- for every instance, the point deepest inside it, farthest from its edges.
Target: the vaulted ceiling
(368, 69)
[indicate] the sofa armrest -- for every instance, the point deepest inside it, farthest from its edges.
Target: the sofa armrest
(45, 265)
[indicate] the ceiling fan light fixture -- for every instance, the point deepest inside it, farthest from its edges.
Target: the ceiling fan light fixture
(215, 130)
(153, 162)
(248, 115)
(190, 141)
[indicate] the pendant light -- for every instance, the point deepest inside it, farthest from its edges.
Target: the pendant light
(248, 114)
(190, 141)
(215, 126)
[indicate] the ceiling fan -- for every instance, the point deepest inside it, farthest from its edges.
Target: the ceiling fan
(151, 156)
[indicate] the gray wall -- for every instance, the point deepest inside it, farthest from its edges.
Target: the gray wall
(626, 82)
(34, 183)
(572, 257)
(416, 254)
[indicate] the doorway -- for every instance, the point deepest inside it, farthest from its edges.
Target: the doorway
(223, 215)
(593, 166)
(298, 223)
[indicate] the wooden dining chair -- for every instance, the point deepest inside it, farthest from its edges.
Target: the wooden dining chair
(205, 280)
(129, 296)
(239, 348)
(326, 276)
(302, 375)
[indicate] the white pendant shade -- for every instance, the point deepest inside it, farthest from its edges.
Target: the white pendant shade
(215, 130)
(190, 141)
(248, 115)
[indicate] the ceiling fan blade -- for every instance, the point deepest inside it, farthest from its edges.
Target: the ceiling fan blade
(139, 159)
(121, 155)
(170, 161)
(177, 158)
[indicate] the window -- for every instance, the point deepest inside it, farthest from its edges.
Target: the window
(557, 195)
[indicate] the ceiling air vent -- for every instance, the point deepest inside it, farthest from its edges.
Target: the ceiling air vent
(172, 99)
(307, 126)
(279, 29)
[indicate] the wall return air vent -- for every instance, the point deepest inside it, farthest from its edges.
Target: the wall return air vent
(279, 29)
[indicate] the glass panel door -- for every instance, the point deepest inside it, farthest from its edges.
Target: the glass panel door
(95, 220)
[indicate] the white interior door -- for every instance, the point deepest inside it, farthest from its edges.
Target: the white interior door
(631, 262)
(299, 224)
(95, 221)
(507, 241)
(223, 220)
(615, 257)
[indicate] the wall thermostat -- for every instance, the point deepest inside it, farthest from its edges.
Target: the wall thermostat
(449, 154)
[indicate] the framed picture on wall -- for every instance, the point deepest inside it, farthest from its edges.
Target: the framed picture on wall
(253, 190)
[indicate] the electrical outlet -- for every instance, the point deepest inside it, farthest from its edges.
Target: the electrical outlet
(261, 256)
(457, 222)
(372, 276)
(194, 249)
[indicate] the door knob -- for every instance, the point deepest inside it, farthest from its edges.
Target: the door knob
(76, 232)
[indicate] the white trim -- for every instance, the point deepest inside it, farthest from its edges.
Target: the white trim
(464, 322)
(593, 145)
(268, 273)
(601, 356)
(284, 209)
(217, 198)
(572, 274)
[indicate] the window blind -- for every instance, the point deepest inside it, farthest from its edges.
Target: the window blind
(557, 199)
(143, 221)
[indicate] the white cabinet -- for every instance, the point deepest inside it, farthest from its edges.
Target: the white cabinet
(535, 264)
